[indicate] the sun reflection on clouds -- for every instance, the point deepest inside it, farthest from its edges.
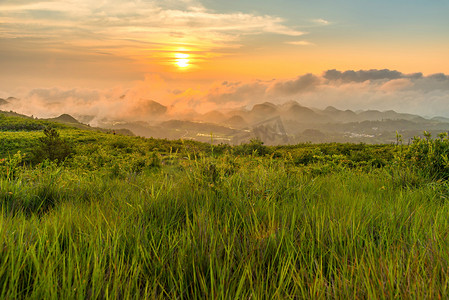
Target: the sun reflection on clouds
(182, 60)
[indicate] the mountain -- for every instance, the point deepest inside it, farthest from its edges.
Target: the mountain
(65, 118)
(139, 128)
(26, 123)
(213, 116)
(13, 114)
(375, 115)
(152, 107)
(3, 102)
(265, 108)
(235, 122)
(440, 119)
(340, 115)
(275, 124)
(303, 114)
(263, 111)
(190, 126)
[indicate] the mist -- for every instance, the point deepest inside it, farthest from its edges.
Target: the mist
(355, 90)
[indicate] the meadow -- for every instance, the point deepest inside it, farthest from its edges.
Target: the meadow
(87, 214)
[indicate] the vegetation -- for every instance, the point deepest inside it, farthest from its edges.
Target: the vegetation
(127, 217)
(52, 147)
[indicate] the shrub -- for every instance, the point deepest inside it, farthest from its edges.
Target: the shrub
(9, 167)
(306, 157)
(255, 147)
(52, 147)
(429, 156)
(155, 161)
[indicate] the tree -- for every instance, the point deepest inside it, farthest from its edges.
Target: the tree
(52, 147)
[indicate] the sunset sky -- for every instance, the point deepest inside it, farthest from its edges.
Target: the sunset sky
(195, 51)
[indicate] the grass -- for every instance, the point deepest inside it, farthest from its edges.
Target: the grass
(228, 226)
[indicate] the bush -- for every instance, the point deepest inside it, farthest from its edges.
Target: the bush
(255, 147)
(306, 157)
(155, 161)
(10, 167)
(429, 156)
(52, 147)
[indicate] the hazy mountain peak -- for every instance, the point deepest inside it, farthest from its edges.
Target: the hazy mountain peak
(212, 116)
(152, 107)
(266, 106)
(331, 109)
(65, 118)
(290, 103)
(236, 121)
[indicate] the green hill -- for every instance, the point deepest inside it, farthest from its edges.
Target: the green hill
(128, 217)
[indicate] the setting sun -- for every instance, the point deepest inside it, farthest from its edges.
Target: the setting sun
(182, 60)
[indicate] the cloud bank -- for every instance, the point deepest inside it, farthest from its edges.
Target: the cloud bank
(355, 90)
(138, 30)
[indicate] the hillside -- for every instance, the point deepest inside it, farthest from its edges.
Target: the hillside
(150, 217)
(11, 121)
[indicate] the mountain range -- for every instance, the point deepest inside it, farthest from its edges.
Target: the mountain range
(289, 122)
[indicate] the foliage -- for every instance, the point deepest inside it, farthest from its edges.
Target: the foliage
(254, 147)
(10, 167)
(52, 147)
(429, 156)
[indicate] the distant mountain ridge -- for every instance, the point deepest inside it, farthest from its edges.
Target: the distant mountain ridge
(289, 122)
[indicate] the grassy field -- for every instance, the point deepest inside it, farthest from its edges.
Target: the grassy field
(127, 217)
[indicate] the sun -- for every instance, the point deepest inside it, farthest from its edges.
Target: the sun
(182, 60)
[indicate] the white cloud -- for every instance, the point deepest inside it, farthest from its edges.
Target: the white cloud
(301, 43)
(396, 85)
(321, 21)
(119, 25)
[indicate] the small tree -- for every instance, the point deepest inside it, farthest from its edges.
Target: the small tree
(52, 147)
(255, 147)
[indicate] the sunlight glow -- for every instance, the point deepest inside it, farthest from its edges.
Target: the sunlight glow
(182, 60)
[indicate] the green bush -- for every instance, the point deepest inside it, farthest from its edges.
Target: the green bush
(52, 147)
(254, 147)
(155, 161)
(306, 157)
(428, 156)
(10, 167)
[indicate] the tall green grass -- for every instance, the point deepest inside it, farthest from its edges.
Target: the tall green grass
(223, 227)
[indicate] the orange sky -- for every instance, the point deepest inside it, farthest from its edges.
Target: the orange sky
(85, 43)
(195, 45)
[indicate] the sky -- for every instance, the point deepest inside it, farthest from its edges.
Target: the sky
(108, 55)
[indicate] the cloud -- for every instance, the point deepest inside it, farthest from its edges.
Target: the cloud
(362, 75)
(373, 74)
(439, 76)
(321, 21)
(130, 28)
(363, 89)
(300, 43)
(396, 85)
(236, 94)
(291, 87)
